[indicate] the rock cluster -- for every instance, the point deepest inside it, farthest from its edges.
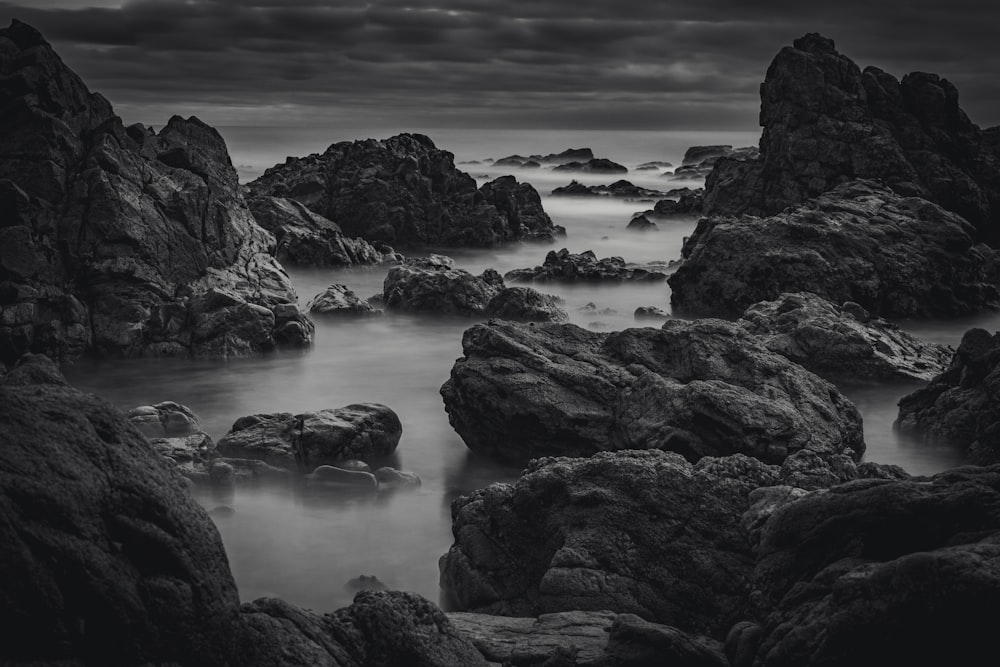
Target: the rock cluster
(826, 122)
(122, 241)
(842, 343)
(959, 406)
(404, 190)
(703, 388)
(564, 266)
(593, 166)
(895, 256)
(434, 285)
(619, 189)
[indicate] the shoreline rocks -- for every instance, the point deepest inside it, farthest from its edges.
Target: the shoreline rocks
(564, 266)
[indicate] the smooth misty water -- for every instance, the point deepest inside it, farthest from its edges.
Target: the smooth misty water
(305, 548)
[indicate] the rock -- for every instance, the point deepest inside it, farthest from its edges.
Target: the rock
(959, 406)
(522, 205)
(308, 239)
(113, 238)
(365, 431)
(433, 285)
(354, 464)
(594, 166)
(569, 155)
(340, 301)
(634, 641)
(390, 478)
(401, 190)
(651, 313)
(655, 165)
(850, 576)
(619, 189)
(825, 122)
(641, 532)
(698, 154)
(105, 558)
(894, 256)
(702, 388)
(174, 432)
(380, 628)
(591, 309)
(333, 477)
(563, 266)
(641, 223)
(524, 304)
(687, 205)
(842, 344)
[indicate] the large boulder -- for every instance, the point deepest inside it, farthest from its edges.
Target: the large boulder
(825, 122)
(699, 388)
(642, 532)
(564, 266)
(404, 190)
(104, 556)
(112, 237)
(309, 239)
(960, 406)
(842, 343)
(878, 572)
(895, 256)
(434, 285)
(363, 431)
(522, 205)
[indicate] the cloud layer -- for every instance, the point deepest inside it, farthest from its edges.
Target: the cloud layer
(520, 63)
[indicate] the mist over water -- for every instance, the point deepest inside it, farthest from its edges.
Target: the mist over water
(305, 547)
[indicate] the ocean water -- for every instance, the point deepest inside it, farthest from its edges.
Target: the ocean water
(304, 548)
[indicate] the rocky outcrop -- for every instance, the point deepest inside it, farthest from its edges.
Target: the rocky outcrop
(434, 285)
(826, 122)
(365, 431)
(174, 432)
(640, 223)
(564, 266)
(852, 575)
(894, 256)
(594, 166)
(119, 241)
(959, 406)
(612, 532)
(522, 205)
(687, 205)
(403, 190)
(619, 189)
(842, 343)
(308, 239)
(340, 301)
(702, 388)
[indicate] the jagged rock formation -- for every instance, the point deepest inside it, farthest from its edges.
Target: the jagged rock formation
(827, 122)
(619, 189)
(120, 241)
(309, 239)
(842, 343)
(340, 301)
(522, 205)
(593, 166)
(404, 190)
(703, 388)
(564, 266)
(960, 405)
(895, 256)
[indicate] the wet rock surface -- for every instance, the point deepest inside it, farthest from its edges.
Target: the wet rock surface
(700, 388)
(404, 190)
(121, 241)
(826, 122)
(894, 256)
(339, 301)
(842, 343)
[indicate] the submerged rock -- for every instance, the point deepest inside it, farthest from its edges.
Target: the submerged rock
(842, 342)
(118, 240)
(960, 406)
(702, 388)
(563, 266)
(894, 256)
(404, 190)
(826, 122)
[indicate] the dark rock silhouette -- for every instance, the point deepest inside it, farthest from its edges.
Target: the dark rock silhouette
(703, 388)
(593, 166)
(895, 256)
(120, 241)
(826, 122)
(564, 266)
(337, 300)
(619, 189)
(404, 190)
(522, 205)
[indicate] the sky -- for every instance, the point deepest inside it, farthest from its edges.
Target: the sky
(594, 64)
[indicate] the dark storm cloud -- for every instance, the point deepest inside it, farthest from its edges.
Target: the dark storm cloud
(622, 63)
